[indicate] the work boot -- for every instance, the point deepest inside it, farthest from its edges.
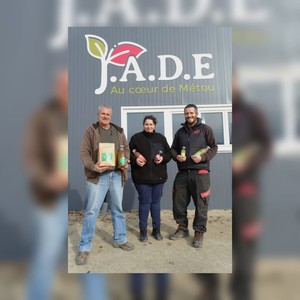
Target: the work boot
(126, 246)
(198, 239)
(156, 234)
(181, 232)
(143, 235)
(82, 257)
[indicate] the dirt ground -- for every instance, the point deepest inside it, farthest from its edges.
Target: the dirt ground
(276, 279)
(164, 256)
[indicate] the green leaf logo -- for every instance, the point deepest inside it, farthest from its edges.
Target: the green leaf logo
(96, 46)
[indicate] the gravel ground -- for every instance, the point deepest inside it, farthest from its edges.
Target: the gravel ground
(164, 256)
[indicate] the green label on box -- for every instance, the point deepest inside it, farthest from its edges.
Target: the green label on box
(63, 162)
(107, 157)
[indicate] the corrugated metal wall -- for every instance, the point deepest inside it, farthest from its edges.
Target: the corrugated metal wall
(84, 78)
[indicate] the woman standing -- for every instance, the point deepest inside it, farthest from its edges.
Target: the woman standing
(150, 153)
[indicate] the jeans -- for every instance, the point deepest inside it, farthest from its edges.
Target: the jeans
(52, 227)
(94, 286)
(149, 200)
(109, 181)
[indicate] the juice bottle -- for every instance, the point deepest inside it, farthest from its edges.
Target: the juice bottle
(201, 151)
(183, 152)
(158, 155)
(121, 156)
(137, 154)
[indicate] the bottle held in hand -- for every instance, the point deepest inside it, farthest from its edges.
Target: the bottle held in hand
(121, 156)
(183, 152)
(138, 155)
(201, 151)
(158, 155)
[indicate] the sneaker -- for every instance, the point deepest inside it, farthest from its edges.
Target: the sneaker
(156, 234)
(181, 232)
(82, 257)
(126, 246)
(143, 235)
(198, 239)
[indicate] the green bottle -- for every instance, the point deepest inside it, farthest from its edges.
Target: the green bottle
(183, 152)
(121, 156)
(201, 151)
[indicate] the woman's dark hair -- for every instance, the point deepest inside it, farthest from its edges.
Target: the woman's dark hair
(150, 117)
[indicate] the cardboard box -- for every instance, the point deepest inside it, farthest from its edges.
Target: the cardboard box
(107, 154)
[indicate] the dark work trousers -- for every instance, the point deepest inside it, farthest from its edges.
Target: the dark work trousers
(149, 200)
(245, 202)
(195, 184)
(210, 286)
(242, 277)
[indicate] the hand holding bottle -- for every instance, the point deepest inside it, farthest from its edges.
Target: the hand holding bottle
(182, 156)
(124, 167)
(140, 159)
(196, 158)
(158, 157)
(122, 160)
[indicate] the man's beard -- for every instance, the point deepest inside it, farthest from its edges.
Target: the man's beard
(191, 124)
